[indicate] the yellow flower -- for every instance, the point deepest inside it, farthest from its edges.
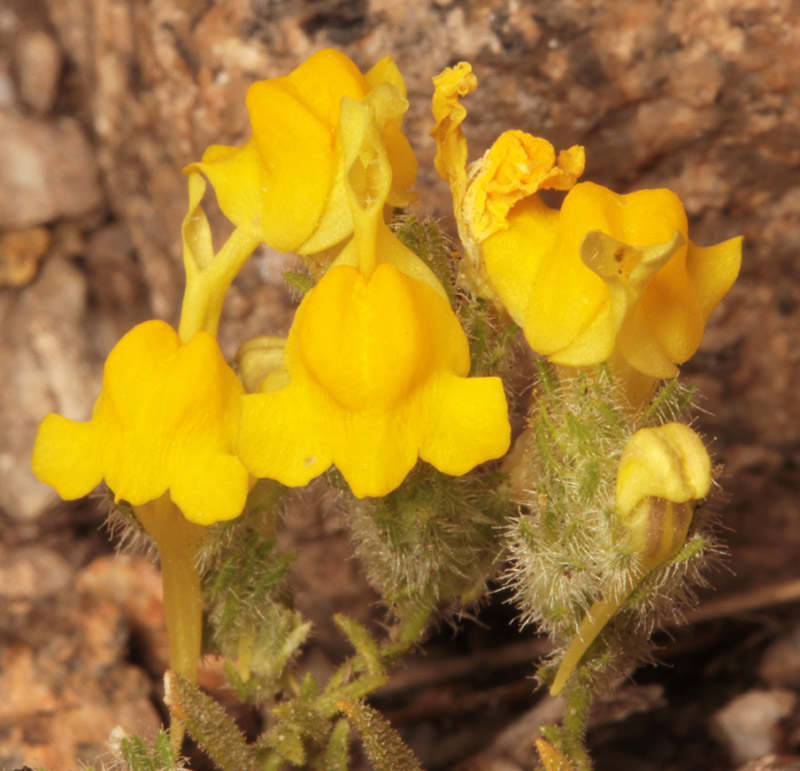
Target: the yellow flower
(285, 185)
(166, 419)
(606, 276)
(610, 274)
(376, 359)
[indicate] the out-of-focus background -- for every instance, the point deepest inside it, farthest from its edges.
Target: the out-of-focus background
(102, 102)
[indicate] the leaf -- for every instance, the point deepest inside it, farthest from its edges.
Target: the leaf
(139, 756)
(362, 641)
(208, 723)
(337, 755)
(383, 745)
(286, 741)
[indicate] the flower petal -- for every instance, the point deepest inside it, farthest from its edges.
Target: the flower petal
(376, 450)
(67, 456)
(448, 112)
(209, 488)
(712, 270)
(515, 167)
(286, 434)
(464, 422)
(239, 177)
(512, 258)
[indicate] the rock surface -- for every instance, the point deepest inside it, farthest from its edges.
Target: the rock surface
(47, 171)
(64, 674)
(748, 724)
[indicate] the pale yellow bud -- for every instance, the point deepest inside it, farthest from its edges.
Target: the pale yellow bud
(261, 366)
(668, 462)
(661, 473)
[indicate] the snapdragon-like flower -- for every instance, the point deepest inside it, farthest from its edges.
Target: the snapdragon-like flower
(606, 277)
(376, 358)
(285, 186)
(166, 420)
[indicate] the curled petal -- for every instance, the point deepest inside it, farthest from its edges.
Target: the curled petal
(515, 167)
(448, 112)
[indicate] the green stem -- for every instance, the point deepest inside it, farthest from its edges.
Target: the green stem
(593, 622)
(177, 540)
(578, 702)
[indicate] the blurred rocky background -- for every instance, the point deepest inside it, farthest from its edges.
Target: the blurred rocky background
(102, 102)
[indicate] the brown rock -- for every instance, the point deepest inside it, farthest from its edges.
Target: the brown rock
(133, 583)
(780, 663)
(50, 364)
(38, 66)
(66, 683)
(746, 726)
(773, 763)
(20, 252)
(32, 572)
(47, 171)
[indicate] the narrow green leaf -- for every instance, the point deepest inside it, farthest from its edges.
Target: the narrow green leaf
(337, 755)
(208, 723)
(383, 745)
(287, 742)
(352, 691)
(362, 641)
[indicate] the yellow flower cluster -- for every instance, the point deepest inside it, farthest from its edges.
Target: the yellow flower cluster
(375, 368)
(374, 374)
(376, 363)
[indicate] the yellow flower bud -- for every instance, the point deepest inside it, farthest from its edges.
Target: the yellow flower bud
(552, 759)
(261, 364)
(663, 471)
(285, 186)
